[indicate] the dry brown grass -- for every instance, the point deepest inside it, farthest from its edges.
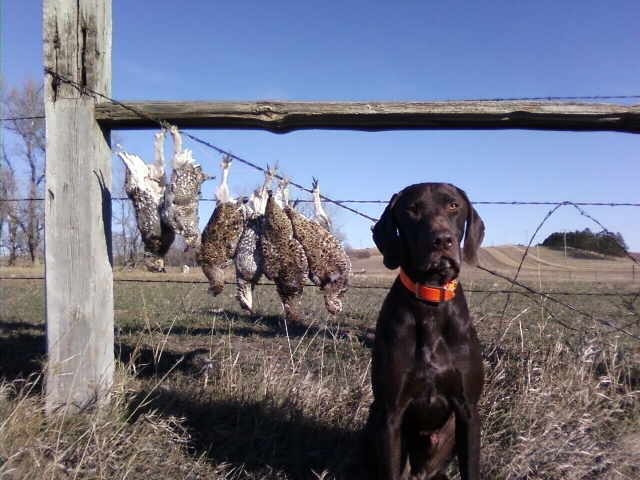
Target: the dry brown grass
(102, 444)
(562, 411)
(206, 391)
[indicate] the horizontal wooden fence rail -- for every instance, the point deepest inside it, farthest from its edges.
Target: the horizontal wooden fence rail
(286, 116)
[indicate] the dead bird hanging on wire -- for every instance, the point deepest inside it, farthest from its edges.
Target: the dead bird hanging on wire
(329, 264)
(145, 185)
(248, 259)
(182, 195)
(220, 236)
(284, 260)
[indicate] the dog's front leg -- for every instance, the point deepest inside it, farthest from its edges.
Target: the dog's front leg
(468, 442)
(391, 460)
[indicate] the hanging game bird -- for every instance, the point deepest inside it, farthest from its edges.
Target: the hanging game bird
(329, 264)
(182, 195)
(220, 236)
(248, 260)
(284, 260)
(145, 186)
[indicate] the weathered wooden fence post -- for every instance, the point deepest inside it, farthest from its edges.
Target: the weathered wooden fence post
(78, 279)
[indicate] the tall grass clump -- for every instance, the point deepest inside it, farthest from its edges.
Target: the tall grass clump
(103, 444)
(283, 408)
(556, 407)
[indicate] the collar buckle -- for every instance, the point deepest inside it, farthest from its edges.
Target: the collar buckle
(442, 291)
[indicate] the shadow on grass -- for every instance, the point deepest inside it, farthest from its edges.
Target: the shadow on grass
(146, 362)
(263, 326)
(22, 349)
(262, 439)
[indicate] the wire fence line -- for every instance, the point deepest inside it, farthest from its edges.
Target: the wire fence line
(339, 203)
(516, 287)
(536, 295)
(632, 295)
(382, 202)
(513, 203)
(579, 311)
(556, 205)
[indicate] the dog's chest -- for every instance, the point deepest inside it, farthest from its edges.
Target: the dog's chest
(434, 373)
(429, 395)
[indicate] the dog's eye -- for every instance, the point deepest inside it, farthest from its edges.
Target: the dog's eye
(454, 206)
(411, 208)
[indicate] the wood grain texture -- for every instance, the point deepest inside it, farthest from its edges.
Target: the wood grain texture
(286, 116)
(78, 279)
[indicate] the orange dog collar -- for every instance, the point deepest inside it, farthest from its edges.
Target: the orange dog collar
(430, 294)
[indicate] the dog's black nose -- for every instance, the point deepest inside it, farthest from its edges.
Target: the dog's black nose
(443, 240)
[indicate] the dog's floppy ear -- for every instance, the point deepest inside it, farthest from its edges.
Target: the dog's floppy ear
(473, 234)
(385, 236)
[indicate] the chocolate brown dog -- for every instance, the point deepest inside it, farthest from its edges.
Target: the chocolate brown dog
(427, 373)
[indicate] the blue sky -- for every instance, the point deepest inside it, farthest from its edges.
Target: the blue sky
(373, 50)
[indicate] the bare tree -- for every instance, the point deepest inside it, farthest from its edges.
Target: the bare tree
(9, 242)
(23, 111)
(127, 242)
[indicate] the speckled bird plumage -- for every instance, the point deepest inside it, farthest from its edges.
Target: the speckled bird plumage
(219, 241)
(329, 264)
(248, 260)
(221, 235)
(284, 260)
(182, 195)
(145, 186)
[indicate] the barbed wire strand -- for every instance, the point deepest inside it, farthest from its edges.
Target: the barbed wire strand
(514, 281)
(559, 302)
(341, 204)
(355, 287)
(524, 256)
(246, 162)
(382, 202)
(526, 289)
(15, 119)
(596, 97)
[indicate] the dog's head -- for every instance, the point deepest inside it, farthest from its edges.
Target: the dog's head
(422, 228)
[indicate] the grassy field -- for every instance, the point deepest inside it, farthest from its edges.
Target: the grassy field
(205, 390)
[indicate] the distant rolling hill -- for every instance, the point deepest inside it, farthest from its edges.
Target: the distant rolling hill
(540, 261)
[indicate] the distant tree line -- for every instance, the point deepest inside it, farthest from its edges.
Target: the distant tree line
(602, 242)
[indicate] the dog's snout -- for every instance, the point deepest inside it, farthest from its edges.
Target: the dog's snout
(443, 240)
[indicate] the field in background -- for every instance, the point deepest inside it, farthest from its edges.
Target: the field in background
(205, 390)
(540, 263)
